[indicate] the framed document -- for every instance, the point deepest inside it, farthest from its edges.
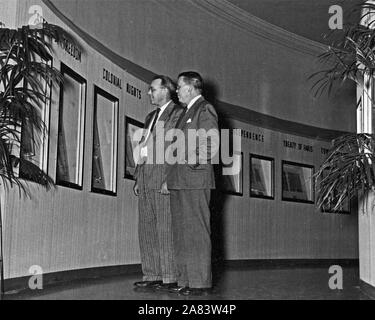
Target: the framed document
(232, 183)
(131, 126)
(104, 160)
(345, 206)
(262, 177)
(70, 143)
(297, 182)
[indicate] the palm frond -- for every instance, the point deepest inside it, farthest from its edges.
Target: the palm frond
(351, 54)
(25, 72)
(348, 168)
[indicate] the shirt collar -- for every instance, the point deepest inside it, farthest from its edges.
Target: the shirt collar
(162, 108)
(193, 101)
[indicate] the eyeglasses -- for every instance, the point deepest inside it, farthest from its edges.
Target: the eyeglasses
(154, 89)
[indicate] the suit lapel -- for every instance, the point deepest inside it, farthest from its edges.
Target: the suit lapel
(167, 112)
(150, 119)
(165, 117)
(190, 113)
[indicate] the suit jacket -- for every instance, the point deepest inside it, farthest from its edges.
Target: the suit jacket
(184, 174)
(151, 173)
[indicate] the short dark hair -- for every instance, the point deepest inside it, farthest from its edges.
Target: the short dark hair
(167, 83)
(193, 78)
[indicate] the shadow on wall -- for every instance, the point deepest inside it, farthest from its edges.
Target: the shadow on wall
(218, 198)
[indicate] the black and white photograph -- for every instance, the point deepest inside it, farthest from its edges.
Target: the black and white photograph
(187, 157)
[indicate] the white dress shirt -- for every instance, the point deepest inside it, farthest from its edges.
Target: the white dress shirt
(193, 101)
(162, 109)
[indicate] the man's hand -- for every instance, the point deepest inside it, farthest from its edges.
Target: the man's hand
(136, 189)
(164, 189)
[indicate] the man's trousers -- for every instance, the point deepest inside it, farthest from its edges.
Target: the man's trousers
(155, 236)
(192, 237)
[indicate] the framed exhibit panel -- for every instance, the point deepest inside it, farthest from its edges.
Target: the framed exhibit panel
(262, 177)
(70, 143)
(104, 158)
(297, 182)
(131, 126)
(345, 206)
(35, 143)
(233, 183)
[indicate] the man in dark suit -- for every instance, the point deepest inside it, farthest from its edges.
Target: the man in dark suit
(155, 231)
(189, 182)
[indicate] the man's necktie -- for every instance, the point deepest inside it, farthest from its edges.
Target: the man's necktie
(181, 117)
(143, 151)
(176, 126)
(155, 119)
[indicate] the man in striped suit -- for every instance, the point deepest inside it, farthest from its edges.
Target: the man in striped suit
(155, 231)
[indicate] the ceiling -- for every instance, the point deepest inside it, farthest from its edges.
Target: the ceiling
(308, 18)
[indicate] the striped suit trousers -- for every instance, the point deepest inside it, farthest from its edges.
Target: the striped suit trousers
(155, 236)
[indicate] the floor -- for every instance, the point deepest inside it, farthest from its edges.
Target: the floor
(230, 283)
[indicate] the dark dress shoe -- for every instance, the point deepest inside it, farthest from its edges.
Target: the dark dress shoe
(166, 286)
(145, 284)
(194, 291)
(174, 289)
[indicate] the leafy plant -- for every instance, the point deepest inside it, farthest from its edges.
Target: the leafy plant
(349, 167)
(24, 71)
(351, 55)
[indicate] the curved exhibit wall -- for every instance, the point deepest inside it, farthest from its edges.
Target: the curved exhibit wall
(247, 61)
(77, 227)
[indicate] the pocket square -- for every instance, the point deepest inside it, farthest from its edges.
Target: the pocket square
(188, 121)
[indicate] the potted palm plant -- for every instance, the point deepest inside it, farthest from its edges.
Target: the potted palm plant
(24, 72)
(349, 167)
